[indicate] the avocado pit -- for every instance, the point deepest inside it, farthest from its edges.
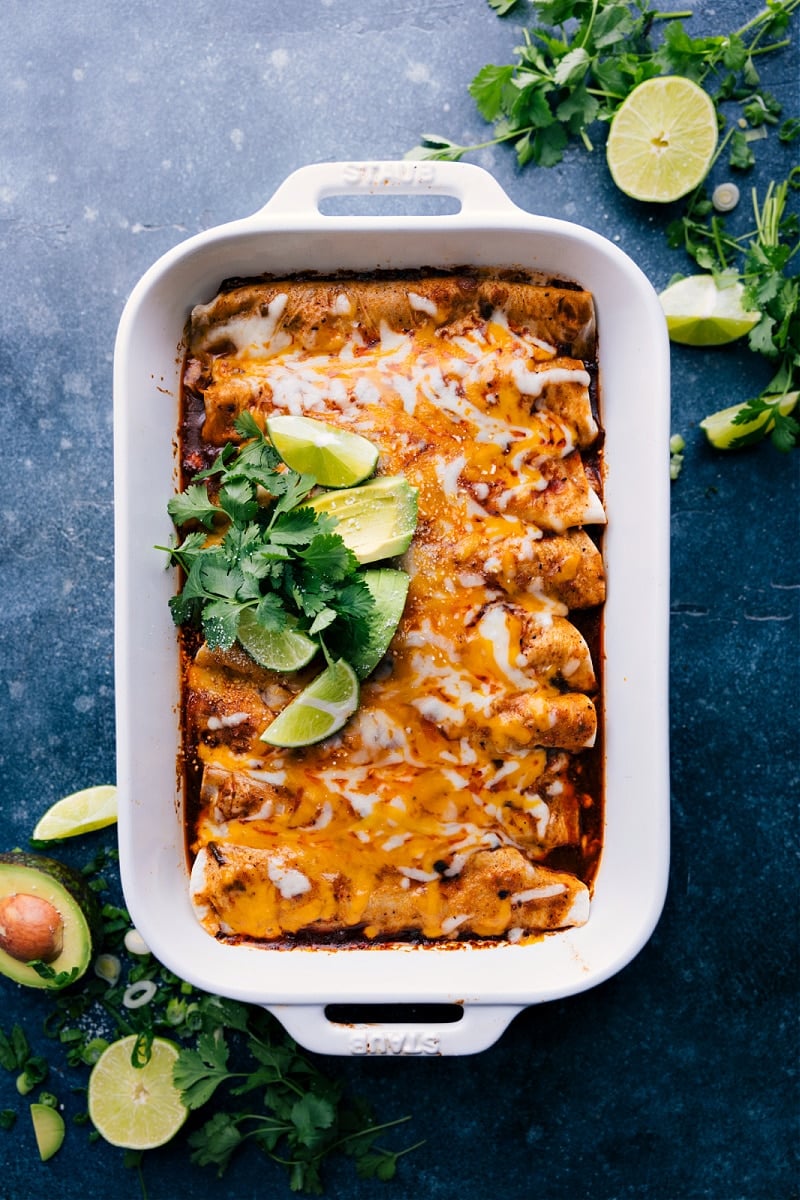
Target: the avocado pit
(31, 928)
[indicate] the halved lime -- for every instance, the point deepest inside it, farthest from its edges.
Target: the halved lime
(138, 1108)
(723, 433)
(81, 812)
(319, 710)
(376, 520)
(48, 1129)
(335, 457)
(701, 313)
(288, 650)
(662, 139)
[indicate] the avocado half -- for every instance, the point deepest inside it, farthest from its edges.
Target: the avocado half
(375, 520)
(389, 589)
(47, 913)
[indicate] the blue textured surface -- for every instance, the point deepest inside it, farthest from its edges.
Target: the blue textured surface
(126, 127)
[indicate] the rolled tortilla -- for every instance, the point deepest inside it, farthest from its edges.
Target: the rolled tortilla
(241, 891)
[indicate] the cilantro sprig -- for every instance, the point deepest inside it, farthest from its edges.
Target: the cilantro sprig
(761, 259)
(259, 548)
(235, 1058)
(303, 1120)
(581, 58)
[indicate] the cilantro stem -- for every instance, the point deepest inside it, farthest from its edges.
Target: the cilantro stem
(766, 15)
(372, 1130)
(769, 49)
(588, 30)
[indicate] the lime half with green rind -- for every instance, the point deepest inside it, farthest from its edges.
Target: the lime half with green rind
(701, 312)
(81, 812)
(335, 457)
(725, 433)
(283, 650)
(320, 710)
(662, 139)
(136, 1107)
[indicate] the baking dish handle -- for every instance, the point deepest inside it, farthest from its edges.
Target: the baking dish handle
(302, 192)
(477, 1028)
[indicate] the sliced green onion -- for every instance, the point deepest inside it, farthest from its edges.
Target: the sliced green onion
(138, 994)
(108, 967)
(135, 943)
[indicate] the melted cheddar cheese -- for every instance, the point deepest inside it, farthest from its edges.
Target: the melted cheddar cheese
(442, 806)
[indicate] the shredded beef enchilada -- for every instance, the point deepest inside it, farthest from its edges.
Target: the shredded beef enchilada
(462, 798)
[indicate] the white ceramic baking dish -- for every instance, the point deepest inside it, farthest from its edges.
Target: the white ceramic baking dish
(489, 985)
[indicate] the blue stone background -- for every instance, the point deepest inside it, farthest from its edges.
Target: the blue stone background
(126, 127)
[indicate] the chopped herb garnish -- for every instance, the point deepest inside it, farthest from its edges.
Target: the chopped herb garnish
(295, 1113)
(581, 58)
(270, 555)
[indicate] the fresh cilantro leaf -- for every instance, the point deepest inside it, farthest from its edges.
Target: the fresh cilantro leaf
(313, 596)
(193, 505)
(272, 613)
(237, 499)
(212, 577)
(300, 526)
(7, 1118)
(487, 90)
(549, 145)
(613, 24)
(328, 556)
(312, 1116)
(434, 148)
(192, 545)
(501, 7)
(324, 618)
(293, 490)
(572, 68)
(579, 109)
(198, 1073)
(741, 156)
(246, 425)
(558, 12)
(734, 52)
(185, 609)
(789, 130)
(14, 1050)
(221, 623)
(215, 1142)
(355, 600)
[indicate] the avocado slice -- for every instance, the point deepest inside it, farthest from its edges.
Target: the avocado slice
(376, 520)
(48, 1128)
(389, 590)
(47, 914)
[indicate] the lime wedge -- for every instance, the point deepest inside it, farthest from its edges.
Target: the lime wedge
(389, 590)
(48, 1129)
(662, 139)
(288, 650)
(723, 433)
(335, 457)
(700, 313)
(138, 1108)
(319, 710)
(376, 520)
(81, 812)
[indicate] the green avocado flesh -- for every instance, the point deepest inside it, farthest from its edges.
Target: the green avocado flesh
(48, 1128)
(389, 589)
(47, 913)
(376, 519)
